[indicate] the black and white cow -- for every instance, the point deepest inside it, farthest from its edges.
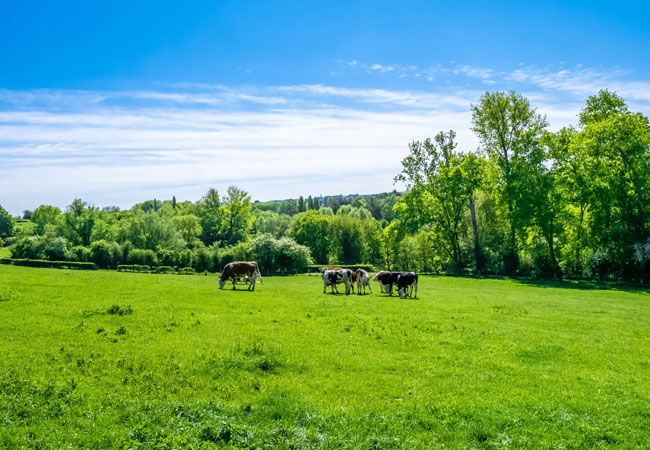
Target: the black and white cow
(331, 277)
(406, 280)
(386, 280)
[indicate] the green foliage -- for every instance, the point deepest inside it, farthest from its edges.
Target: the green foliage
(51, 264)
(45, 215)
(105, 254)
(142, 257)
(133, 268)
(509, 130)
(312, 229)
(6, 223)
(78, 222)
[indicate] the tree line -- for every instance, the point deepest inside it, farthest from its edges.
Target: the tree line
(530, 202)
(206, 234)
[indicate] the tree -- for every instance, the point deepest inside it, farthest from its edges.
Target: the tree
(237, 216)
(301, 204)
(78, 222)
(437, 175)
(312, 229)
(289, 207)
(6, 223)
(27, 214)
(616, 146)
(508, 128)
(212, 215)
(45, 215)
(189, 226)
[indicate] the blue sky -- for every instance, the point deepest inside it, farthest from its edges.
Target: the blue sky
(117, 102)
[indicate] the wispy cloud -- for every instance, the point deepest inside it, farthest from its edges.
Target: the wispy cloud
(275, 141)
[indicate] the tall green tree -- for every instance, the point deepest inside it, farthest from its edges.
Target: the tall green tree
(437, 175)
(78, 222)
(616, 145)
(237, 216)
(508, 129)
(212, 216)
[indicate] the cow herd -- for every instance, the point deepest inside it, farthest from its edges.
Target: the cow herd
(406, 282)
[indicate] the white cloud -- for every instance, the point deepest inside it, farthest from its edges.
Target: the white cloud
(276, 142)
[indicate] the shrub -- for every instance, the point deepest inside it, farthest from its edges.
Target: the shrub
(54, 264)
(133, 268)
(202, 260)
(78, 253)
(56, 250)
(165, 269)
(142, 257)
(105, 254)
(186, 271)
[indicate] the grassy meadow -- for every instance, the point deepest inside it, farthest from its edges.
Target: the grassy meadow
(100, 359)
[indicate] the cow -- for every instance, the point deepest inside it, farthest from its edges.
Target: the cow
(406, 280)
(333, 276)
(239, 269)
(363, 279)
(352, 276)
(386, 280)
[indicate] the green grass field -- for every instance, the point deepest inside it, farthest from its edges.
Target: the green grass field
(99, 359)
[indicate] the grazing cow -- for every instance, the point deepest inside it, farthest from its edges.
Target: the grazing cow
(363, 279)
(386, 280)
(239, 269)
(406, 280)
(333, 276)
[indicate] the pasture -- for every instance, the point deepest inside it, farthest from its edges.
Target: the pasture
(100, 359)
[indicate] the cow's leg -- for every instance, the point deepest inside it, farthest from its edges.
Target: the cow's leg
(251, 286)
(234, 283)
(324, 287)
(416, 289)
(401, 292)
(364, 289)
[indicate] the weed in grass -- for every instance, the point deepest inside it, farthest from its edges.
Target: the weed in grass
(121, 331)
(119, 310)
(8, 295)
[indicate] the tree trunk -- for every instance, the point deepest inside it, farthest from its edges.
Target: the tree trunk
(557, 271)
(477, 247)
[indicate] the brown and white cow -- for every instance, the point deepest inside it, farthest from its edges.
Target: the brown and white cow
(363, 279)
(238, 269)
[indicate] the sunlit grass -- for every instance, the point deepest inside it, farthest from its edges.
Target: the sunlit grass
(104, 359)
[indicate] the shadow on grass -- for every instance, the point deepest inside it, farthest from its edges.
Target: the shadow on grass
(584, 285)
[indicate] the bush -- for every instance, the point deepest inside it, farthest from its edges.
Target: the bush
(317, 267)
(202, 260)
(78, 253)
(56, 250)
(133, 268)
(291, 256)
(142, 257)
(165, 269)
(54, 264)
(105, 254)
(186, 271)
